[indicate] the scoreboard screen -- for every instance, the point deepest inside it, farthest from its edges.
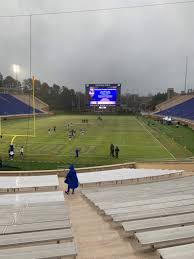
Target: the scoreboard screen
(103, 94)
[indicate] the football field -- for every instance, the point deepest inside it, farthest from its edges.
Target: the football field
(133, 136)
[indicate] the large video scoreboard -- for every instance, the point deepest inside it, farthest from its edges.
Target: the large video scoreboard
(103, 94)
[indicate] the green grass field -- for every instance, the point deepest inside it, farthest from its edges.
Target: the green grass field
(137, 141)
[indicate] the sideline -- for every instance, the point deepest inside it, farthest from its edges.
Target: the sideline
(150, 133)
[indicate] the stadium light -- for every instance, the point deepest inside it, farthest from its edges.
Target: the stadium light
(16, 70)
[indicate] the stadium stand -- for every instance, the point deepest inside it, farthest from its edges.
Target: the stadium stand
(10, 105)
(40, 105)
(159, 214)
(182, 110)
(35, 224)
(172, 102)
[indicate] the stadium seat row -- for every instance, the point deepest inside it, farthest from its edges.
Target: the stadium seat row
(157, 215)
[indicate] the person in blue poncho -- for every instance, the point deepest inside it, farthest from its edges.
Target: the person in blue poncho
(71, 180)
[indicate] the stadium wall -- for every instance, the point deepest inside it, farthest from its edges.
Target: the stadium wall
(61, 172)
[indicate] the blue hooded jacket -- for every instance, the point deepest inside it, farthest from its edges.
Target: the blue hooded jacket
(71, 178)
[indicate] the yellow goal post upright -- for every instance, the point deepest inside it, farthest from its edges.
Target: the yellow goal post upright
(33, 115)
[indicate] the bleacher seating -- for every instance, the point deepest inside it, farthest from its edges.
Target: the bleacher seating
(155, 215)
(166, 237)
(34, 224)
(182, 110)
(177, 252)
(172, 102)
(124, 175)
(135, 226)
(10, 105)
(28, 183)
(50, 251)
(39, 104)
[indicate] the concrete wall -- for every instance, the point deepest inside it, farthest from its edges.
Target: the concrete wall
(62, 172)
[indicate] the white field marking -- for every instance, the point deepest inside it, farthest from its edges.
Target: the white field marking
(156, 140)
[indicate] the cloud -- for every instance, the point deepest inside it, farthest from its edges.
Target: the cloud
(143, 48)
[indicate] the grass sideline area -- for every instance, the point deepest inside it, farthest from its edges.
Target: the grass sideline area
(138, 139)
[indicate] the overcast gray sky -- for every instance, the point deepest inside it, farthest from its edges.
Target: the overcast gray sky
(144, 49)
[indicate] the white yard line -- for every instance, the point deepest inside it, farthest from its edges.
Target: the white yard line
(150, 133)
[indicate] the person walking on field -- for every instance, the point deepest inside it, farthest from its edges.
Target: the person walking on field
(117, 152)
(22, 152)
(77, 150)
(71, 180)
(11, 151)
(112, 150)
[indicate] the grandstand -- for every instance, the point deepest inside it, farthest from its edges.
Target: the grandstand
(181, 110)
(158, 223)
(27, 99)
(175, 100)
(20, 105)
(110, 221)
(35, 224)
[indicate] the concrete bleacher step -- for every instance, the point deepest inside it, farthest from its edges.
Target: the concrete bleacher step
(146, 207)
(36, 237)
(9, 218)
(29, 219)
(132, 227)
(153, 185)
(127, 196)
(38, 218)
(45, 209)
(100, 198)
(140, 188)
(153, 213)
(143, 187)
(122, 204)
(166, 237)
(177, 252)
(131, 196)
(125, 175)
(64, 250)
(20, 206)
(48, 203)
(33, 227)
(28, 183)
(31, 199)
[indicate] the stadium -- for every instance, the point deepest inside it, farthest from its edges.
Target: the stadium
(89, 167)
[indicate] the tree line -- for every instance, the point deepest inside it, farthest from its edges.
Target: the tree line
(57, 97)
(64, 99)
